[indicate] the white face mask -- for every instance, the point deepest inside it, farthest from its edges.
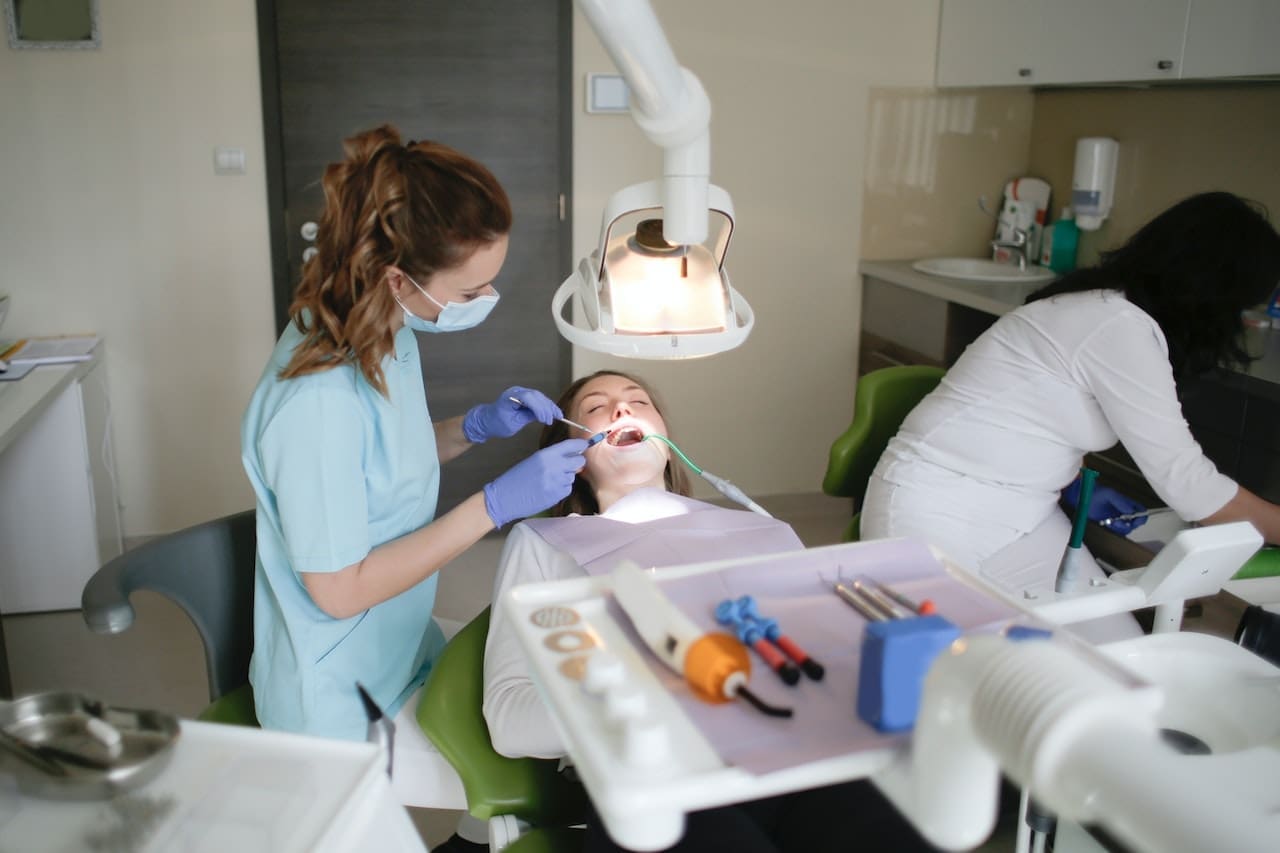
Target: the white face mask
(454, 316)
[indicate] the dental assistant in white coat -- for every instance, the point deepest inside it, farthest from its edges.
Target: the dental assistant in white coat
(340, 447)
(1095, 357)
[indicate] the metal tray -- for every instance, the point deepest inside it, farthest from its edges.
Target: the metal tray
(65, 745)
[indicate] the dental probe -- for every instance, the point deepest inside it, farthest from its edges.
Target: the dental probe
(596, 437)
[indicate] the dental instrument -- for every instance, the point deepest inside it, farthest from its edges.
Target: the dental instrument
(1134, 516)
(1069, 567)
(729, 613)
(596, 437)
(808, 665)
(715, 665)
(721, 485)
(924, 608)
(382, 730)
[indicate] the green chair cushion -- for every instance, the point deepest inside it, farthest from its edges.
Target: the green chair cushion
(883, 399)
(1264, 564)
(234, 708)
(451, 716)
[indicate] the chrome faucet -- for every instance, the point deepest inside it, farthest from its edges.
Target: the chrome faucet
(1017, 245)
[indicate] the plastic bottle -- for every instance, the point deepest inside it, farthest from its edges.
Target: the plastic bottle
(1059, 250)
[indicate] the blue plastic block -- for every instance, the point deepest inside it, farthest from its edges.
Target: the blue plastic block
(895, 657)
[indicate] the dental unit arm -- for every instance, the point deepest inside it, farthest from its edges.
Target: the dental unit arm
(628, 306)
(1084, 738)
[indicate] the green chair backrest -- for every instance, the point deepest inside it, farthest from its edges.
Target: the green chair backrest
(882, 401)
(450, 713)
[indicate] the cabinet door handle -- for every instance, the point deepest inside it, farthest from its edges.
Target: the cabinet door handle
(1164, 64)
(1024, 72)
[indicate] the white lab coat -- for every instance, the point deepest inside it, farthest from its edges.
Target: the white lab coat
(977, 467)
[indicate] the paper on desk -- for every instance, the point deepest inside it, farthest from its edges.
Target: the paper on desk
(51, 350)
(795, 589)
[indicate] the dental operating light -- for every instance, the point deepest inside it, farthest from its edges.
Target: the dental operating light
(656, 285)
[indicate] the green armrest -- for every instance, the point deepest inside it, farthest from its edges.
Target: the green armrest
(1264, 564)
(450, 713)
(234, 708)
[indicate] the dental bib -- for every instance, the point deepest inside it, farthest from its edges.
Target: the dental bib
(671, 530)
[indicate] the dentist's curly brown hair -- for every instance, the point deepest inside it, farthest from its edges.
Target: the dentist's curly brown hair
(422, 207)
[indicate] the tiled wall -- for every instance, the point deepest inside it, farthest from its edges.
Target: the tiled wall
(931, 153)
(1174, 142)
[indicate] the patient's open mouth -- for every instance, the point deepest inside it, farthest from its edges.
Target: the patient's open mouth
(625, 437)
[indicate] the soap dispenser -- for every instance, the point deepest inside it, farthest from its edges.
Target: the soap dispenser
(1058, 252)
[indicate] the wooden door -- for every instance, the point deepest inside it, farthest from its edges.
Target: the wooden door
(488, 77)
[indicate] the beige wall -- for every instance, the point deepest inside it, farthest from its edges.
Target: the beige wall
(113, 221)
(930, 156)
(1173, 143)
(789, 87)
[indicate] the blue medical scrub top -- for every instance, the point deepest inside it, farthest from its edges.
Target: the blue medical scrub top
(338, 470)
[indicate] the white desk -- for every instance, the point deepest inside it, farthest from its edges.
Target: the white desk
(229, 788)
(59, 512)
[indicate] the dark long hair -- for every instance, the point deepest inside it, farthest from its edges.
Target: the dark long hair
(582, 499)
(1193, 268)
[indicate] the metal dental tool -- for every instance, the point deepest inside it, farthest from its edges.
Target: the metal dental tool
(382, 730)
(1133, 516)
(596, 437)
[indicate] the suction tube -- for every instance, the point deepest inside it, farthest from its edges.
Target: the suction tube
(720, 484)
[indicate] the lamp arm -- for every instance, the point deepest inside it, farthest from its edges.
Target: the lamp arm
(670, 106)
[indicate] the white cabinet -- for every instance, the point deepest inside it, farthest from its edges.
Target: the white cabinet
(1232, 38)
(1081, 42)
(59, 512)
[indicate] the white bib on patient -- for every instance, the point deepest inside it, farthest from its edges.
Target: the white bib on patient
(652, 527)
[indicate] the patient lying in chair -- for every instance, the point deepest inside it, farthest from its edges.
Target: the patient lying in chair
(631, 502)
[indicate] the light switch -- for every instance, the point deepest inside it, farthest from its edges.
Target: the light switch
(228, 160)
(607, 93)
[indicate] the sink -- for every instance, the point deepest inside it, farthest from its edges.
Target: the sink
(981, 269)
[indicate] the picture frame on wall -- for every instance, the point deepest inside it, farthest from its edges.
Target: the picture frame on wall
(53, 24)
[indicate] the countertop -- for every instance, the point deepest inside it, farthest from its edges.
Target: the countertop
(989, 296)
(22, 401)
(1261, 377)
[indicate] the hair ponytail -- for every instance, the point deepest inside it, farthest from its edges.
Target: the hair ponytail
(423, 208)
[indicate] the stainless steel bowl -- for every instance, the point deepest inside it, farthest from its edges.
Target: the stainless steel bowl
(65, 745)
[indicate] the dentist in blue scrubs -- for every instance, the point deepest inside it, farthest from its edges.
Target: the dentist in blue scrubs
(340, 447)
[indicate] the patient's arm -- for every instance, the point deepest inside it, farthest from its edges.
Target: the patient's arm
(519, 724)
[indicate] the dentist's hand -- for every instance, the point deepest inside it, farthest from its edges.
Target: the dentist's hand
(1107, 503)
(536, 483)
(504, 418)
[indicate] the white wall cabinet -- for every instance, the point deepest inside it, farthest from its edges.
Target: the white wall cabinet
(59, 511)
(1082, 42)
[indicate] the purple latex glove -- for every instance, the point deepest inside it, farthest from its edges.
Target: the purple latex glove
(1106, 504)
(504, 418)
(535, 483)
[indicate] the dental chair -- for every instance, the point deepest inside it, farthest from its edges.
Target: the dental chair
(510, 793)
(208, 571)
(882, 401)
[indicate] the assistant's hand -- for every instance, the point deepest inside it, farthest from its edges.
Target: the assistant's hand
(536, 483)
(504, 418)
(1107, 503)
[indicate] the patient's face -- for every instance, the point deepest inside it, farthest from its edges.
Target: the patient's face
(623, 460)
